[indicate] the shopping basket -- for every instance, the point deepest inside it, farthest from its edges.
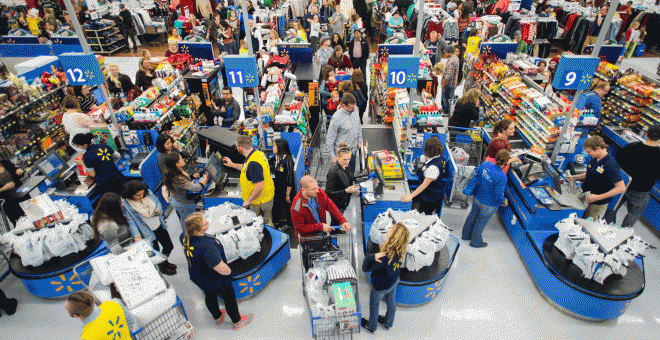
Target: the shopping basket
(343, 249)
(471, 142)
(162, 327)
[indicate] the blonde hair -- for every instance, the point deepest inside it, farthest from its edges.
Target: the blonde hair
(635, 25)
(343, 147)
(397, 244)
(111, 77)
(277, 36)
(141, 65)
(439, 68)
(191, 226)
(471, 96)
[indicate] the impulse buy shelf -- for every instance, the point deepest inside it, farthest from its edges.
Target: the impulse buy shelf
(634, 102)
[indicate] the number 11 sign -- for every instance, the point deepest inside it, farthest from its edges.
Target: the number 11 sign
(241, 71)
(575, 72)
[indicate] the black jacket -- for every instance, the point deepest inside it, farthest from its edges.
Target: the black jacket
(142, 80)
(463, 115)
(338, 180)
(127, 20)
(125, 82)
(365, 48)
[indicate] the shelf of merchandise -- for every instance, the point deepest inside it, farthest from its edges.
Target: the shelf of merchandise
(94, 35)
(14, 110)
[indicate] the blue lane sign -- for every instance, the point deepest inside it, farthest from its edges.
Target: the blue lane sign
(241, 71)
(575, 72)
(402, 71)
(81, 69)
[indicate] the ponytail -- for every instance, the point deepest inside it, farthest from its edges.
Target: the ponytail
(191, 225)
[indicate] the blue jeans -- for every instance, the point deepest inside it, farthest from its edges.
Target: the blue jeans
(374, 302)
(183, 209)
(447, 93)
(637, 202)
(476, 222)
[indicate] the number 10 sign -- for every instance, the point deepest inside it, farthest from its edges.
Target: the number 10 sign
(402, 71)
(575, 72)
(241, 71)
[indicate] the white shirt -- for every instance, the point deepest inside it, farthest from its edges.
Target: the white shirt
(72, 128)
(431, 171)
(315, 29)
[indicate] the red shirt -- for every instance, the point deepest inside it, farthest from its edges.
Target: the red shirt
(344, 64)
(303, 219)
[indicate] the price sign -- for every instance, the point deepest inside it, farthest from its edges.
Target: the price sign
(402, 71)
(82, 69)
(575, 73)
(241, 71)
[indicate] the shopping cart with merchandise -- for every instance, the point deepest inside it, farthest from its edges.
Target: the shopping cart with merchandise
(319, 253)
(168, 324)
(465, 147)
(5, 227)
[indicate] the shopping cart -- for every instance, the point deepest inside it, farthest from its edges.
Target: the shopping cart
(470, 141)
(162, 327)
(343, 248)
(5, 227)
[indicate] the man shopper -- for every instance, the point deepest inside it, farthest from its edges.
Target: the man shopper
(257, 187)
(640, 160)
(345, 128)
(230, 110)
(309, 207)
(128, 28)
(450, 78)
(358, 51)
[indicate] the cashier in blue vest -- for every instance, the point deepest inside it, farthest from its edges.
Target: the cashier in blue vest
(430, 193)
(602, 179)
(593, 99)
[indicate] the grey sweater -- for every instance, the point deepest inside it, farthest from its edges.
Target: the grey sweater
(114, 235)
(344, 128)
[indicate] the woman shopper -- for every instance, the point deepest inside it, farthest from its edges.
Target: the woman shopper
(273, 41)
(145, 218)
(328, 84)
(110, 224)
(178, 183)
(145, 75)
(337, 40)
(339, 184)
(502, 131)
(208, 269)
(489, 181)
(466, 109)
(85, 98)
(385, 268)
(359, 84)
(73, 120)
(165, 144)
(10, 181)
(118, 82)
(172, 47)
(340, 61)
(285, 181)
(431, 192)
(99, 161)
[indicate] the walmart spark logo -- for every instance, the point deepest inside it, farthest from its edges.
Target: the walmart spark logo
(249, 78)
(185, 49)
(588, 50)
(115, 331)
(437, 287)
(187, 249)
(66, 283)
(487, 49)
(89, 74)
(284, 53)
(104, 154)
(10, 41)
(586, 78)
(412, 78)
(385, 51)
(57, 41)
(251, 284)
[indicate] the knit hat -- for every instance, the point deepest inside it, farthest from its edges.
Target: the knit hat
(555, 59)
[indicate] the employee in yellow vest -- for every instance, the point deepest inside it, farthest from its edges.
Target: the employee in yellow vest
(257, 188)
(111, 321)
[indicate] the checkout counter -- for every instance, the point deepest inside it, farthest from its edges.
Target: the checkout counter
(415, 288)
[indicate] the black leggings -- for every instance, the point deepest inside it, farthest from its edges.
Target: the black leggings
(427, 208)
(226, 292)
(164, 239)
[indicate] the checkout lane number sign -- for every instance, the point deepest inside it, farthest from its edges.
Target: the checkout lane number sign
(575, 73)
(402, 71)
(81, 69)
(241, 71)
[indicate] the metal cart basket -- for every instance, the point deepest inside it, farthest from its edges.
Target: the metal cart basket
(344, 249)
(470, 141)
(162, 327)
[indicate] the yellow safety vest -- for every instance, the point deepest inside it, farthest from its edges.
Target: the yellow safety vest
(110, 325)
(268, 192)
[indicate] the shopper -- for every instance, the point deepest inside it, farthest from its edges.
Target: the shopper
(395, 23)
(502, 131)
(595, 27)
(300, 32)
(110, 224)
(118, 82)
(324, 53)
(99, 161)
(489, 181)
(273, 41)
(213, 30)
(543, 70)
(340, 61)
(257, 187)
(284, 169)
(10, 181)
(308, 18)
(602, 179)
(208, 269)
(86, 100)
(309, 209)
(360, 85)
(593, 99)
(73, 120)
(145, 74)
(337, 22)
(128, 28)
(466, 109)
(436, 45)
(355, 23)
(360, 101)
(328, 84)
(165, 144)
(463, 22)
(326, 11)
(337, 40)
(385, 268)
(178, 182)
(358, 51)
(8, 305)
(430, 193)
(345, 128)
(450, 78)
(339, 184)
(314, 32)
(640, 160)
(172, 47)
(110, 321)
(227, 37)
(145, 218)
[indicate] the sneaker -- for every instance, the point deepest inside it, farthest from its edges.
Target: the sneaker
(169, 265)
(365, 322)
(10, 307)
(483, 245)
(165, 270)
(221, 318)
(381, 320)
(245, 320)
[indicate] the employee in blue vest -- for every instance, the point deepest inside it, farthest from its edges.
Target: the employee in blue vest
(430, 193)
(593, 99)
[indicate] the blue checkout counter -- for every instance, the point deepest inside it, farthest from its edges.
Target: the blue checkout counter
(415, 288)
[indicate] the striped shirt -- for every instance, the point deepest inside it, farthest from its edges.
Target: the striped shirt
(86, 103)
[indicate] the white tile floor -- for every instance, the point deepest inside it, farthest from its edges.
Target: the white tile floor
(488, 295)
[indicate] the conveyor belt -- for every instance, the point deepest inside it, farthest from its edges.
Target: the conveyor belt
(53, 266)
(380, 137)
(241, 266)
(440, 263)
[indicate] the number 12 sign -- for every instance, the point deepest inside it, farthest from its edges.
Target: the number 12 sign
(82, 69)
(575, 72)
(241, 71)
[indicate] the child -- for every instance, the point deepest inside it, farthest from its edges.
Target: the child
(632, 37)
(299, 31)
(333, 104)
(315, 31)
(292, 37)
(332, 83)
(244, 48)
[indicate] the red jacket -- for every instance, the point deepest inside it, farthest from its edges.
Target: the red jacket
(303, 219)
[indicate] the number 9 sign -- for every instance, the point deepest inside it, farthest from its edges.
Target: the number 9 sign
(575, 73)
(81, 69)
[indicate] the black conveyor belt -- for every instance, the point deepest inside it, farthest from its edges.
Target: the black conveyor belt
(439, 265)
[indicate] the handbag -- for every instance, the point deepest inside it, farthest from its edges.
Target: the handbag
(473, 185)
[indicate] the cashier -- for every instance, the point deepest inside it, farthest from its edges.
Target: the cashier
(310, 207)
(430, 193)
(594, 98)
(145, 75)
(602, 179)
(10, 180)
(98, 159)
